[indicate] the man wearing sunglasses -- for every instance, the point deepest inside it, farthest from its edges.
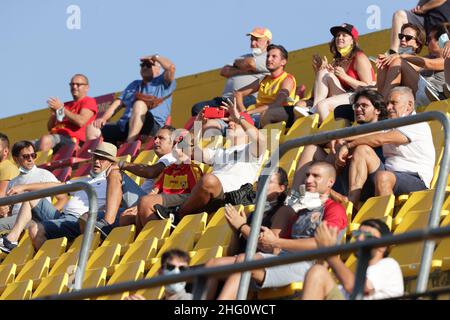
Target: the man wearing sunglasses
(147, 103)
(68, 121)
(46, 221)
(384, 277)
(24, 153)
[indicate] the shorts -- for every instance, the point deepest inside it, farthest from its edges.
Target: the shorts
(113, 133)
(415, 19)
(173, 200)
(335, 294)
(57, 141)
(407, 182)
(284, 275)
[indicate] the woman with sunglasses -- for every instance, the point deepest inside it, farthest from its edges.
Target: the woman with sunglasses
(412, 38)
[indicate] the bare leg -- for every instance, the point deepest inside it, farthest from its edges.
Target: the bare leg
(92, 132)
(309, 154)
(137, 120)
(23, 218)
(212, 284)
(325, 107)
(146, 210)
(364, 162)
(398, 19)
(46, 143)
(384, 183)
(273, 115)
(329, 86)
(318, 283)
(37, 234)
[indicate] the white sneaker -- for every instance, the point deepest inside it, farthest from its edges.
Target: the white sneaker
(304, 111)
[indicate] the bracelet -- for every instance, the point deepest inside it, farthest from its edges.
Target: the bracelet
(239, 229)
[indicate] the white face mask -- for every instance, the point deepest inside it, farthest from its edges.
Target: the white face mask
(174, 287)
(257, 51)
(443, 40)
(98, 175)
(23, 170)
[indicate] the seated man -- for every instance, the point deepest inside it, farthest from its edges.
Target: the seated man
(23, 153)
(68, 121)
(8, 170)
(111, 187)
(172, 262)
(408, 151)
(384, 277)
(243, 71)
(232, 168)
(299, 234)
(147, 104)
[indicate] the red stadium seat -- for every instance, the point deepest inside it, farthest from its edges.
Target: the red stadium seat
(129, 148)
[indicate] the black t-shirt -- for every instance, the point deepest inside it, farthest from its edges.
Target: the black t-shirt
(437, 16)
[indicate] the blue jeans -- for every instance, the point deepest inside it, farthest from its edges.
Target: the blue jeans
(217, 101)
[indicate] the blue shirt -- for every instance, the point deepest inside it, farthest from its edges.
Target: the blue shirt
(158, 88)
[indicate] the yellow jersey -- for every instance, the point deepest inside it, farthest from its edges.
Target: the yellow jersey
(269, 88)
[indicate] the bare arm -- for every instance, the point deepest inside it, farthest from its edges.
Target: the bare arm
(112, 109)
(432, 4)
(240, 66)
(378, 139)
(436, 64)
(243, 92)
(145, 171)
(364, 70)
(79, 119)
(113, 195)
(166, 64)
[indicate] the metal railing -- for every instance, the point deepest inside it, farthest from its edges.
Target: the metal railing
(89, 230)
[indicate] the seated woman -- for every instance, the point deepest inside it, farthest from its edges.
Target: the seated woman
(350, 69)
(275, 198)
(424, 75)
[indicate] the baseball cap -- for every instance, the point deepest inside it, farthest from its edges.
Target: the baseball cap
(260, 32)
(346, 27)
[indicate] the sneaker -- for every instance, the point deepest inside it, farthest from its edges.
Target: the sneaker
(103, 227)
(165, 213)
(6, 245)
(304, 111)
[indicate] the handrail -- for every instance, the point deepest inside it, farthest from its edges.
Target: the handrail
(321, 253)
(326, 136)
(89, 230)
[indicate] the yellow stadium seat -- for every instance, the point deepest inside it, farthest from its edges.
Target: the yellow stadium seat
(159, 229)
(274, 133)
(43, 157)
(441, 256)
(94, 278)
(18, 291)
(125, 272)
(181, 240)
(155, 293)
(442, 106)
(146, 157)
(292, 291)
(435, 178)
(265, 159)
(213, 142)
(35, 270)
(52, 286)
(195, 223)
(65, 262)
(7, 274)
(438, 139)
(20, 255)
(330, 124)
(249, 209)
(201, 256)
(52, 248)
(104, 256)
(76, 244)
(222, 235)
(154, 269)
(301, 127)
(289, 162)
(374, 208)
(121, 235)
(141, 250)
(218, 218)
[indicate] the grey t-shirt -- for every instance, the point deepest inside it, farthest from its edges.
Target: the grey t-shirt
(239, 81)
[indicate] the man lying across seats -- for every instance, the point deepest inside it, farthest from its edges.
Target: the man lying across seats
(311, 210)
(408, 151)
(384, 277)
(47, 222)
(233, 168)
(368, 107)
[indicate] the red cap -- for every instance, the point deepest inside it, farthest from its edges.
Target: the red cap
(347, 28)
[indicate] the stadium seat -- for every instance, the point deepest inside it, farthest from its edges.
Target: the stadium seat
(291, 291)
(52, 286)
(35, 270)
(7, 275)
(60, 158)
(129, 148)
(20, 255)
(52, 248)
(145, 157)
(65, 262)
(141, 250)
(18, 291)
(121, 235)
(181, 240)
(94, 278)
(76, 244)
(289, 162)
(274, 134)
(201, 256)
(374, 208)
(104, 256)
(195, 223)
(221, 235)
(213, 142)
(441, 256)
(159, 229)
(62, 174)
(218, 218)
(301, 127)
(89, 145)
(43, 157)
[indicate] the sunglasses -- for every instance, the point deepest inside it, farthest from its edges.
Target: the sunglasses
(28, 156)
(360, 105)
(170, 267)
(406, 36)
(146, 65)
(358, 233)
(74, 84)
(100, 158)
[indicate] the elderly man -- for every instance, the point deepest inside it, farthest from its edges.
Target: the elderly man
(147, 104)
(408, 151)
(298, 233)
(68, 121)
(244, 70)
(47, 222)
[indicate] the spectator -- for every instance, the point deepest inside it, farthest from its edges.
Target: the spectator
(276, 92)
(426, 14)
(23, 153)
(49, 223)
(276, 194)
(8, 170)
(75, 116)
(424, 75)
(408, 151)
(244, 70)
(383, 279)
(412, 38)
(147, 104)
(368, 107)
(350, 69)
(299, 236)
(172, 262)
(232, 168)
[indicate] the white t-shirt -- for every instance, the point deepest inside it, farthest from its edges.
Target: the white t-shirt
(417, 156)
(386, 278)
(234, 166)
(79, 204)
(35, 175)
(167, 160)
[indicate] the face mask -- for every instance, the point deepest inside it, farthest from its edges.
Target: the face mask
(174, 287)
(257, 51)
(98, 175)
(406, 50)
(23, 170)
(345, 51)
(443, 40)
